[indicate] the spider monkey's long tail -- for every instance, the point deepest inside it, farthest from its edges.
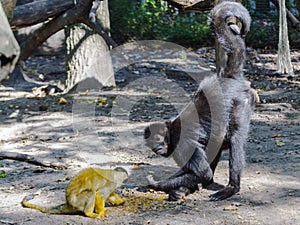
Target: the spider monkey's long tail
(230, 21)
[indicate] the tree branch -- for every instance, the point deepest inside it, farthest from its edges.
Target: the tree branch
(295, 22)
(30, 159)
(79, 13)
(99, 29)
(39, 11)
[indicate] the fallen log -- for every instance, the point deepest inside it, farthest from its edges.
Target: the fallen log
(39, 11)
(192, 5)
(77, 14)
(31, 160)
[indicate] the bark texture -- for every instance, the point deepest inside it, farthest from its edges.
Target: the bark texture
(89, 64)
(284, 64)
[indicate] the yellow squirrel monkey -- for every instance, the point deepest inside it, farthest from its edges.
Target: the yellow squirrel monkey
(87, 192)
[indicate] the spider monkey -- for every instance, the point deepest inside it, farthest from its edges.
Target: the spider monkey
(217, 118)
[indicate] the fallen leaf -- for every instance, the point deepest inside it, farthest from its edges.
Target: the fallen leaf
(3, 175)
(39, 170)
(102, 100)
(276, 128)
(231, 207)
(276, 135)
(279, 143)
(62, 101)
(137, 166)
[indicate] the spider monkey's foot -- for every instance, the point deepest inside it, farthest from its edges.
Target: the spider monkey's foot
(212, 186)
(226, 192)
(207, 176)
(178, 194)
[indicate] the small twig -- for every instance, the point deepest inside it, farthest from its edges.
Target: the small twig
(30, 71)
(6, 221)
(30, 159)
(71, 16)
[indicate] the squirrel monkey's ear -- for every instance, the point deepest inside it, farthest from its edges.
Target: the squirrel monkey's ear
(121, 169)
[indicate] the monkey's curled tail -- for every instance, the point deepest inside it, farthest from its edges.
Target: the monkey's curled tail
(230, 22)
(60, 209)
(228, 19)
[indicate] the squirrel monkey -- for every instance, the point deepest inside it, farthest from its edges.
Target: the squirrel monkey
(87, 192)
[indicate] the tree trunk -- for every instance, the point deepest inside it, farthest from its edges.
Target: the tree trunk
(284, 64)
(89, 64)
(8, 7)
(9, 47)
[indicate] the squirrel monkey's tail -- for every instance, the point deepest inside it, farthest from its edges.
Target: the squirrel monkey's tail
(60, 209)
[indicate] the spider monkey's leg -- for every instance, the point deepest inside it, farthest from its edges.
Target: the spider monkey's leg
(236, 165)
(187, 180)
(211, 185)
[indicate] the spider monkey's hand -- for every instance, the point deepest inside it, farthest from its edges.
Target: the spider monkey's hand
(180, 193)
(152, 182)
(226, 192)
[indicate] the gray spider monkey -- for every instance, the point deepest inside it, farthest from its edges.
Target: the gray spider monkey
(188, 136)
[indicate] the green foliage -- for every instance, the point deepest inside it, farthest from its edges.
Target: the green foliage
(261, 34)
(3, 175)
(154, 19)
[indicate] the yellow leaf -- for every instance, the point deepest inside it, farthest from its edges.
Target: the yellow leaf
(231, 207)
(62, 101)
(102, 100)
(279, 143)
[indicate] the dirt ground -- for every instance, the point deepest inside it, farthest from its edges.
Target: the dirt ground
(105, 128)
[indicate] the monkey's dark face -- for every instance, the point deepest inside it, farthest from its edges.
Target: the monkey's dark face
(156, 137)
